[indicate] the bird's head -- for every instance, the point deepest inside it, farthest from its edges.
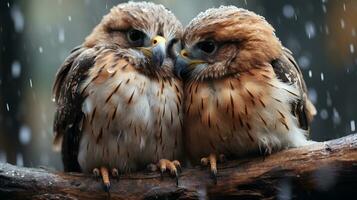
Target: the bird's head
(225, 41)
(144, 31)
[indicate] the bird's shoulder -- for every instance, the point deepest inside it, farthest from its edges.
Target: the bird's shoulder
(288, 71)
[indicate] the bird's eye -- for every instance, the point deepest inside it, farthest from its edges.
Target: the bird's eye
(136, 37)
(207, 46)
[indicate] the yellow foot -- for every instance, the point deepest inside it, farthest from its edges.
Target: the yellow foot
(166, 165)
(104, 173)
(212, 161)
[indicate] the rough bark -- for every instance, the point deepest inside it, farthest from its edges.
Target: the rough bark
(325, 170)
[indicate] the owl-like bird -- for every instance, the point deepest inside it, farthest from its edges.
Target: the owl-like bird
(118, 100)
(244, 92)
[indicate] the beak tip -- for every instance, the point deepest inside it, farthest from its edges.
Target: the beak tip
(158, 60)
(180, 68)
(158, 55)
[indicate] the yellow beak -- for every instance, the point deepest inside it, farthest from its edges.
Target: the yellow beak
(157, 51)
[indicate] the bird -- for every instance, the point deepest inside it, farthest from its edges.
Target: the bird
(118, 101)
(243, 91)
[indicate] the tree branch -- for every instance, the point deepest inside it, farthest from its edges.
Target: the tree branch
(320, 171)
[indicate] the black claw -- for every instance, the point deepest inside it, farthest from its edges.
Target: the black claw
(179, 168)
(162, 174)
(96, 174)
(115, 174)
(214, 176)
(177, 178)
(107, 187)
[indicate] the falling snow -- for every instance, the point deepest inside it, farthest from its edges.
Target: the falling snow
(328, 99)
(324, 8)
(288, 11)
(304, 62)
(353, 125)
(15, 69)
(352, 48)
(327, 30)
(313, 95)
(342, 23)
(17, 18)
(336, 119)
(310, 29)
(24, 134)
(323, 114)
(61, 36)
(19, 159)
(30, 81)
(322, 77)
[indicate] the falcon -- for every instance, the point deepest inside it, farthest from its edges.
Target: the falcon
(244, 92)
(118, 101)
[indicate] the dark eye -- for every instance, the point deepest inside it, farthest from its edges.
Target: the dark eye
(136, 37)
(207, 46)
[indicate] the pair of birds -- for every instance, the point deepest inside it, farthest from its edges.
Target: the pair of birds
(126, 98)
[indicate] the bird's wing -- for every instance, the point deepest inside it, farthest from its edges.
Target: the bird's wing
(69, 101)
(288, 71)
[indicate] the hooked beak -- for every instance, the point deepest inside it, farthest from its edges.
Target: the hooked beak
(157, 51)
(184, 65)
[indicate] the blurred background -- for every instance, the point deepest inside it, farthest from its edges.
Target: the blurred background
(36, 36)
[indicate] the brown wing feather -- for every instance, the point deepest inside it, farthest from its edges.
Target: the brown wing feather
(287, 70)
(69, 101)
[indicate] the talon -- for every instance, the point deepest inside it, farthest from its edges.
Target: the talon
(105, 178)
(96, 173)
(162, 167)
(265, 154)
(178, 165)
(204, 161)
(177, 178)
(115, 173)
(152, 167)
(107, 187)
(212, 161)
(172, 166)
(214, 175)
(162, 174)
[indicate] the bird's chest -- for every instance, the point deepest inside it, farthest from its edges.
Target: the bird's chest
(234, 115)
(128, 118)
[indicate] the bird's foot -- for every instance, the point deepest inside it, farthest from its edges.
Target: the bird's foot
(212, 161)
(115, 173)
(103, 172)
(174, 167)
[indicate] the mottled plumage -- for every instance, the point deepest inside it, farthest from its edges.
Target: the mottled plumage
(244, 92)
(118, 101)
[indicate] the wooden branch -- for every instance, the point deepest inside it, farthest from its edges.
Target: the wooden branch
(320, 171)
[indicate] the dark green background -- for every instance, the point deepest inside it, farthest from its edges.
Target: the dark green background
(52, 28)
